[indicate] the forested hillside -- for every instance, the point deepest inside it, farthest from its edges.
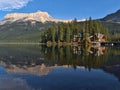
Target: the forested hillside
(22, 31)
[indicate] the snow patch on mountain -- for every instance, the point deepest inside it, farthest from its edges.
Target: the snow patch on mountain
(37, 16)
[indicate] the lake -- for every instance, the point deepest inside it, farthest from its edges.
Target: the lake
(36, 67)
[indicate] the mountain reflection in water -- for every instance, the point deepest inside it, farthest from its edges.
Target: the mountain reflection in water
(23, 63)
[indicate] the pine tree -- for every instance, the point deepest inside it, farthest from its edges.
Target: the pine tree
(90, 26)
(53, 32)
(61, 32)
(68, 34)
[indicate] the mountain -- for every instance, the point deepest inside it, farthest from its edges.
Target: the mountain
(112, 22)
(25, 27)
(21, 27)
(36, 16)
(114, 17)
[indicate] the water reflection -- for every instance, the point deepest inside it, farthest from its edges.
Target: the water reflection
(40, 60)
(13, 84)
(57, 67)
(89, 57)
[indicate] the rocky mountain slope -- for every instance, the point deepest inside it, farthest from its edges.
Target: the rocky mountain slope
(36, 16)
(22, 17)
(114, 17)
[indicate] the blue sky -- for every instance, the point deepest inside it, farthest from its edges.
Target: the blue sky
(61, 9)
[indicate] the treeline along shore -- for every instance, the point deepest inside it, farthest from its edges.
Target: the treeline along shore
(78, 33)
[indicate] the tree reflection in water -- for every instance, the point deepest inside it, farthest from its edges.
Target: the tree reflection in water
(89, 57)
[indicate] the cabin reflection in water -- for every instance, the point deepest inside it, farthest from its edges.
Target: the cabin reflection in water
(91, 50)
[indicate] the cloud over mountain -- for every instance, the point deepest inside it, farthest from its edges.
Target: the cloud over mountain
(6, 5)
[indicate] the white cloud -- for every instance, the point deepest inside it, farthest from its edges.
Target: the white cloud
(12, 4)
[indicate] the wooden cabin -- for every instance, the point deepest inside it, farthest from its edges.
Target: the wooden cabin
(98, 37)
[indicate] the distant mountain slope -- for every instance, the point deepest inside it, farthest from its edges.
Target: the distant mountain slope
(112, 27)
(22, 31)
(112, 22)
(114, 17)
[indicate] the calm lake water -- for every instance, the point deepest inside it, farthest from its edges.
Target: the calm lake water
(34, 67)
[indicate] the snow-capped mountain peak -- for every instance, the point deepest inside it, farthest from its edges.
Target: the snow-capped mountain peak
(36, 16)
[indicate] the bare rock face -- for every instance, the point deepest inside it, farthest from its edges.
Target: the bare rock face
(37, 16)
(114, 17)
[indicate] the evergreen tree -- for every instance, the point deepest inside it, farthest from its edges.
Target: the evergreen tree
(61, 32)
(68, 34)
(90, 26)
(53, 32)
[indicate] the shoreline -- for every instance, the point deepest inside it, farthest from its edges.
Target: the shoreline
(63, 43)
